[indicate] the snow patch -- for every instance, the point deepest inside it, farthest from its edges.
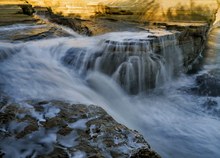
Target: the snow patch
(79, 124)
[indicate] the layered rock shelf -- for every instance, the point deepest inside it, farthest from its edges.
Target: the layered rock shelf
(158, 10)
(192, 39)
(12, 13)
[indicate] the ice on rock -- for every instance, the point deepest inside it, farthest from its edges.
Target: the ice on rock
(79, 124)
(68, 140)
(51, 111)
(16, 127)
(36, 143)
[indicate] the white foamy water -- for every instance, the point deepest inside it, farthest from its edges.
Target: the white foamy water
(20, 27)
(78, 70)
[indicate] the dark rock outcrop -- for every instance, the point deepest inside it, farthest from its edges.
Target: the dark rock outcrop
(211, 107)
(71, 22)
(208, 84)
(27, 9)
(192, 41)
(57, 129)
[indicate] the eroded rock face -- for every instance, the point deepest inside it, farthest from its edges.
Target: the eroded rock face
(192, 40)
(71, 22)
(57, 129)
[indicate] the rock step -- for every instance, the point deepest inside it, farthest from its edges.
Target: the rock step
(66, 7)
(11, 13)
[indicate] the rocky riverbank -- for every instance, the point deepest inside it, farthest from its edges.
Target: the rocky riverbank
(55, 128)
(59, 129)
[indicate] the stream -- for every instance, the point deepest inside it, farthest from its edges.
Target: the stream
(144, 91)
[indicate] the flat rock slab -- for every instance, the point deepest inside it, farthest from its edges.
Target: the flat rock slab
(29, 32)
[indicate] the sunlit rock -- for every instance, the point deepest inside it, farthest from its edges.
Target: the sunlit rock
(144, 10)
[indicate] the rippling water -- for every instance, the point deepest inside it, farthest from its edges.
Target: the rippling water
(172, 119)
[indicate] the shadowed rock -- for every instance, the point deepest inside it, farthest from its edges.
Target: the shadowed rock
(57, 129)
(208, 84)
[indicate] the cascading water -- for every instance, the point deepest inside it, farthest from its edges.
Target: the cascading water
(99, 70)
(136, 61)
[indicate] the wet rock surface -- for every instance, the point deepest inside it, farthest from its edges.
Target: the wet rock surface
(32, 32)
(192, 39)
(208, 84)
(211, 107)
(136, 61)
(57, 129)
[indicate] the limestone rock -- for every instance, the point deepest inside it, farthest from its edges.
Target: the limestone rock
(192, 39)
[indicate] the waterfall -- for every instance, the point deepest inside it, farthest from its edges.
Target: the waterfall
(104, 70)
(136, 61)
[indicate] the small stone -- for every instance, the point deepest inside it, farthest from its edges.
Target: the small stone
(27, 130)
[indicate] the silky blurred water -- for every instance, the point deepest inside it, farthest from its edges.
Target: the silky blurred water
(171, 119)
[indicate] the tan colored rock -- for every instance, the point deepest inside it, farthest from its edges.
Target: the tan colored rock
(145, 10)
